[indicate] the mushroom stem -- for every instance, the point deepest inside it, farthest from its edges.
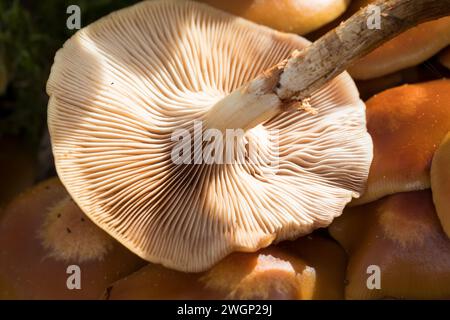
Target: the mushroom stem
(286, 84)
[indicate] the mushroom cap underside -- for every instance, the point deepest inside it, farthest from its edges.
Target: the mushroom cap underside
(121, 86)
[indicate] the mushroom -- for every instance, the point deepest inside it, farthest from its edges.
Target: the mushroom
(42, 234)
(122, 86)
(407, 124)
(440, 182)
(400, 238)
(408, 49)
(444, 57)
(298, 17)
(309, 268)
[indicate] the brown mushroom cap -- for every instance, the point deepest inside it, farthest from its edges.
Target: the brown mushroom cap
(402, 236)
(297, 16)
(407, 124)
(309, 268)
(444, 57)
(408, 49)
(440, 183)
(121, 86)
(42, 233)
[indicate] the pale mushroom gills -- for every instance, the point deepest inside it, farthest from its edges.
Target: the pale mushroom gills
(120, 87)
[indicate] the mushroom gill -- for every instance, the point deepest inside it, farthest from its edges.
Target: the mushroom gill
(122, 86)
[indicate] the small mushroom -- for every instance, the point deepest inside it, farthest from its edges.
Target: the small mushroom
(444, 58)
(440, 183)
(310, 268)
(407, 49)
(401, 235)
(285, 15)
(42, 234)
(120, 87)
(406, 123)
(399, 241)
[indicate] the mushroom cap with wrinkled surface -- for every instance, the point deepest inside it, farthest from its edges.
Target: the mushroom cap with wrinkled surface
(121, 86)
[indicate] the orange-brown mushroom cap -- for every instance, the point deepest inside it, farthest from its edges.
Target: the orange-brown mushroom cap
(120, 87)
(440, 182)
(407, 49)
(406, 123)
(309, 268)
(296, 16)
(400, 235)
(42, 233)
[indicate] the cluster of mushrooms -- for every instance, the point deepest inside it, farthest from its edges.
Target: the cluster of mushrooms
(357, 184)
